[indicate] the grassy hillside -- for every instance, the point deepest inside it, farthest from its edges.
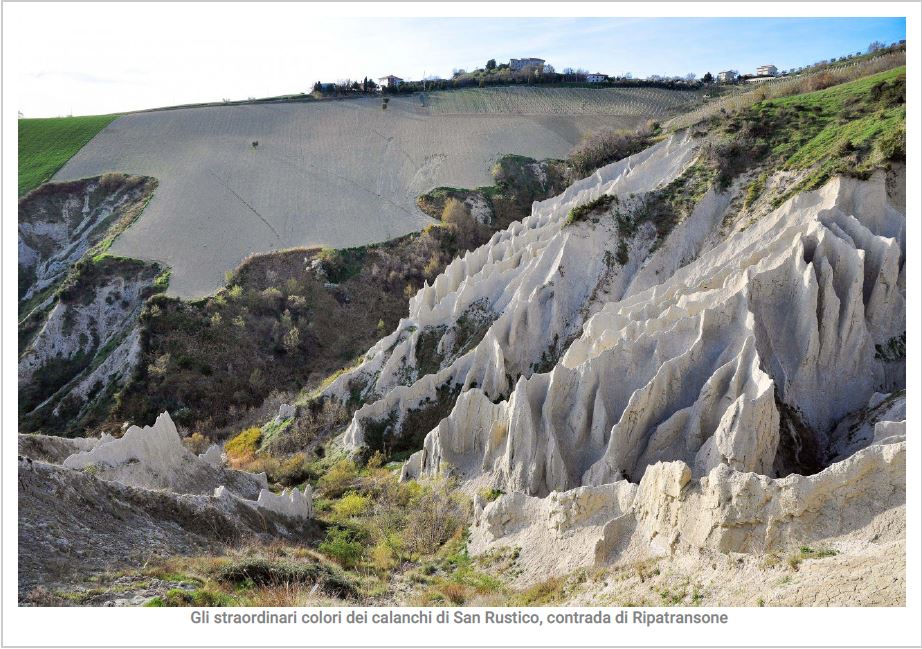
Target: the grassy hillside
(46, 144)
(745, 96)
(849, 129)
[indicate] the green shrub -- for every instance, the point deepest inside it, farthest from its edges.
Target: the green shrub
(735, 156)
(755, 189)
(892, 144)
(605, 147)
(893, 350)
(244, 444)
(196, 443)
(807, 552)
(544, 593)
(491, 494)
(388, 551)
(262, 572)
(434, 517)
(198, 597)
(293, 471)
(341, 546)
(351, 504)
(339, 479)
(581, 212)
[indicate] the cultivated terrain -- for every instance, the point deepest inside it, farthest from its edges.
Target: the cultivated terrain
(335, 174)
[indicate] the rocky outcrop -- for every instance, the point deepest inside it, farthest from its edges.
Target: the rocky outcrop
(286, 411)
(560, 531)
(154, 457)
(792, 308)
(72, 524)
(669, 513)
(60, 222)
(213, 455)
(87, 346)
(880, 420)
(516, 302)
(707, 388)
(52, 449)
(292, 503)
(79, 308)
(732, 511)
(115, 502)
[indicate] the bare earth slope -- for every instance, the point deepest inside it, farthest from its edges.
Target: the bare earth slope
(339, 174)
(118, 502)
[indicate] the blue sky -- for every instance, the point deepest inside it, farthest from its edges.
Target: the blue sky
(676, 46)
(84, 60)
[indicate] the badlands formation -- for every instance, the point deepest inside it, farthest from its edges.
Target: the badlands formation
(332, 173)
(120, 502)
(79, 308)
(730, 386)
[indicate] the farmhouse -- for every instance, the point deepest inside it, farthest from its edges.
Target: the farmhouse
(390, 81)
(768, 70)
(727, 76)
(596, 77)
(521, 64)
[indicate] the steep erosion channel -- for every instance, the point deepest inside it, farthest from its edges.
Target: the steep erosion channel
(79, 306)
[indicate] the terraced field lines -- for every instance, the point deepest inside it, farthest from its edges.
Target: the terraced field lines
(337, 174)
(45, 145)
(647, 102)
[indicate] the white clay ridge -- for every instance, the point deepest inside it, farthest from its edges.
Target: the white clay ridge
(685, 374)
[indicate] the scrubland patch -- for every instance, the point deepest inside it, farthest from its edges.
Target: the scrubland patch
(284, 321)
(606, 146)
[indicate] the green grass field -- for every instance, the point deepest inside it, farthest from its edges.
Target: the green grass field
(46, 144)
(849, 129)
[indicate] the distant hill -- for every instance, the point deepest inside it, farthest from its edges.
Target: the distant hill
(335, 174)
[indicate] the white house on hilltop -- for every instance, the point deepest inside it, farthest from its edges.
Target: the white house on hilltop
(768, 70)
(727, 76)
(390, 81)
(596, 77)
